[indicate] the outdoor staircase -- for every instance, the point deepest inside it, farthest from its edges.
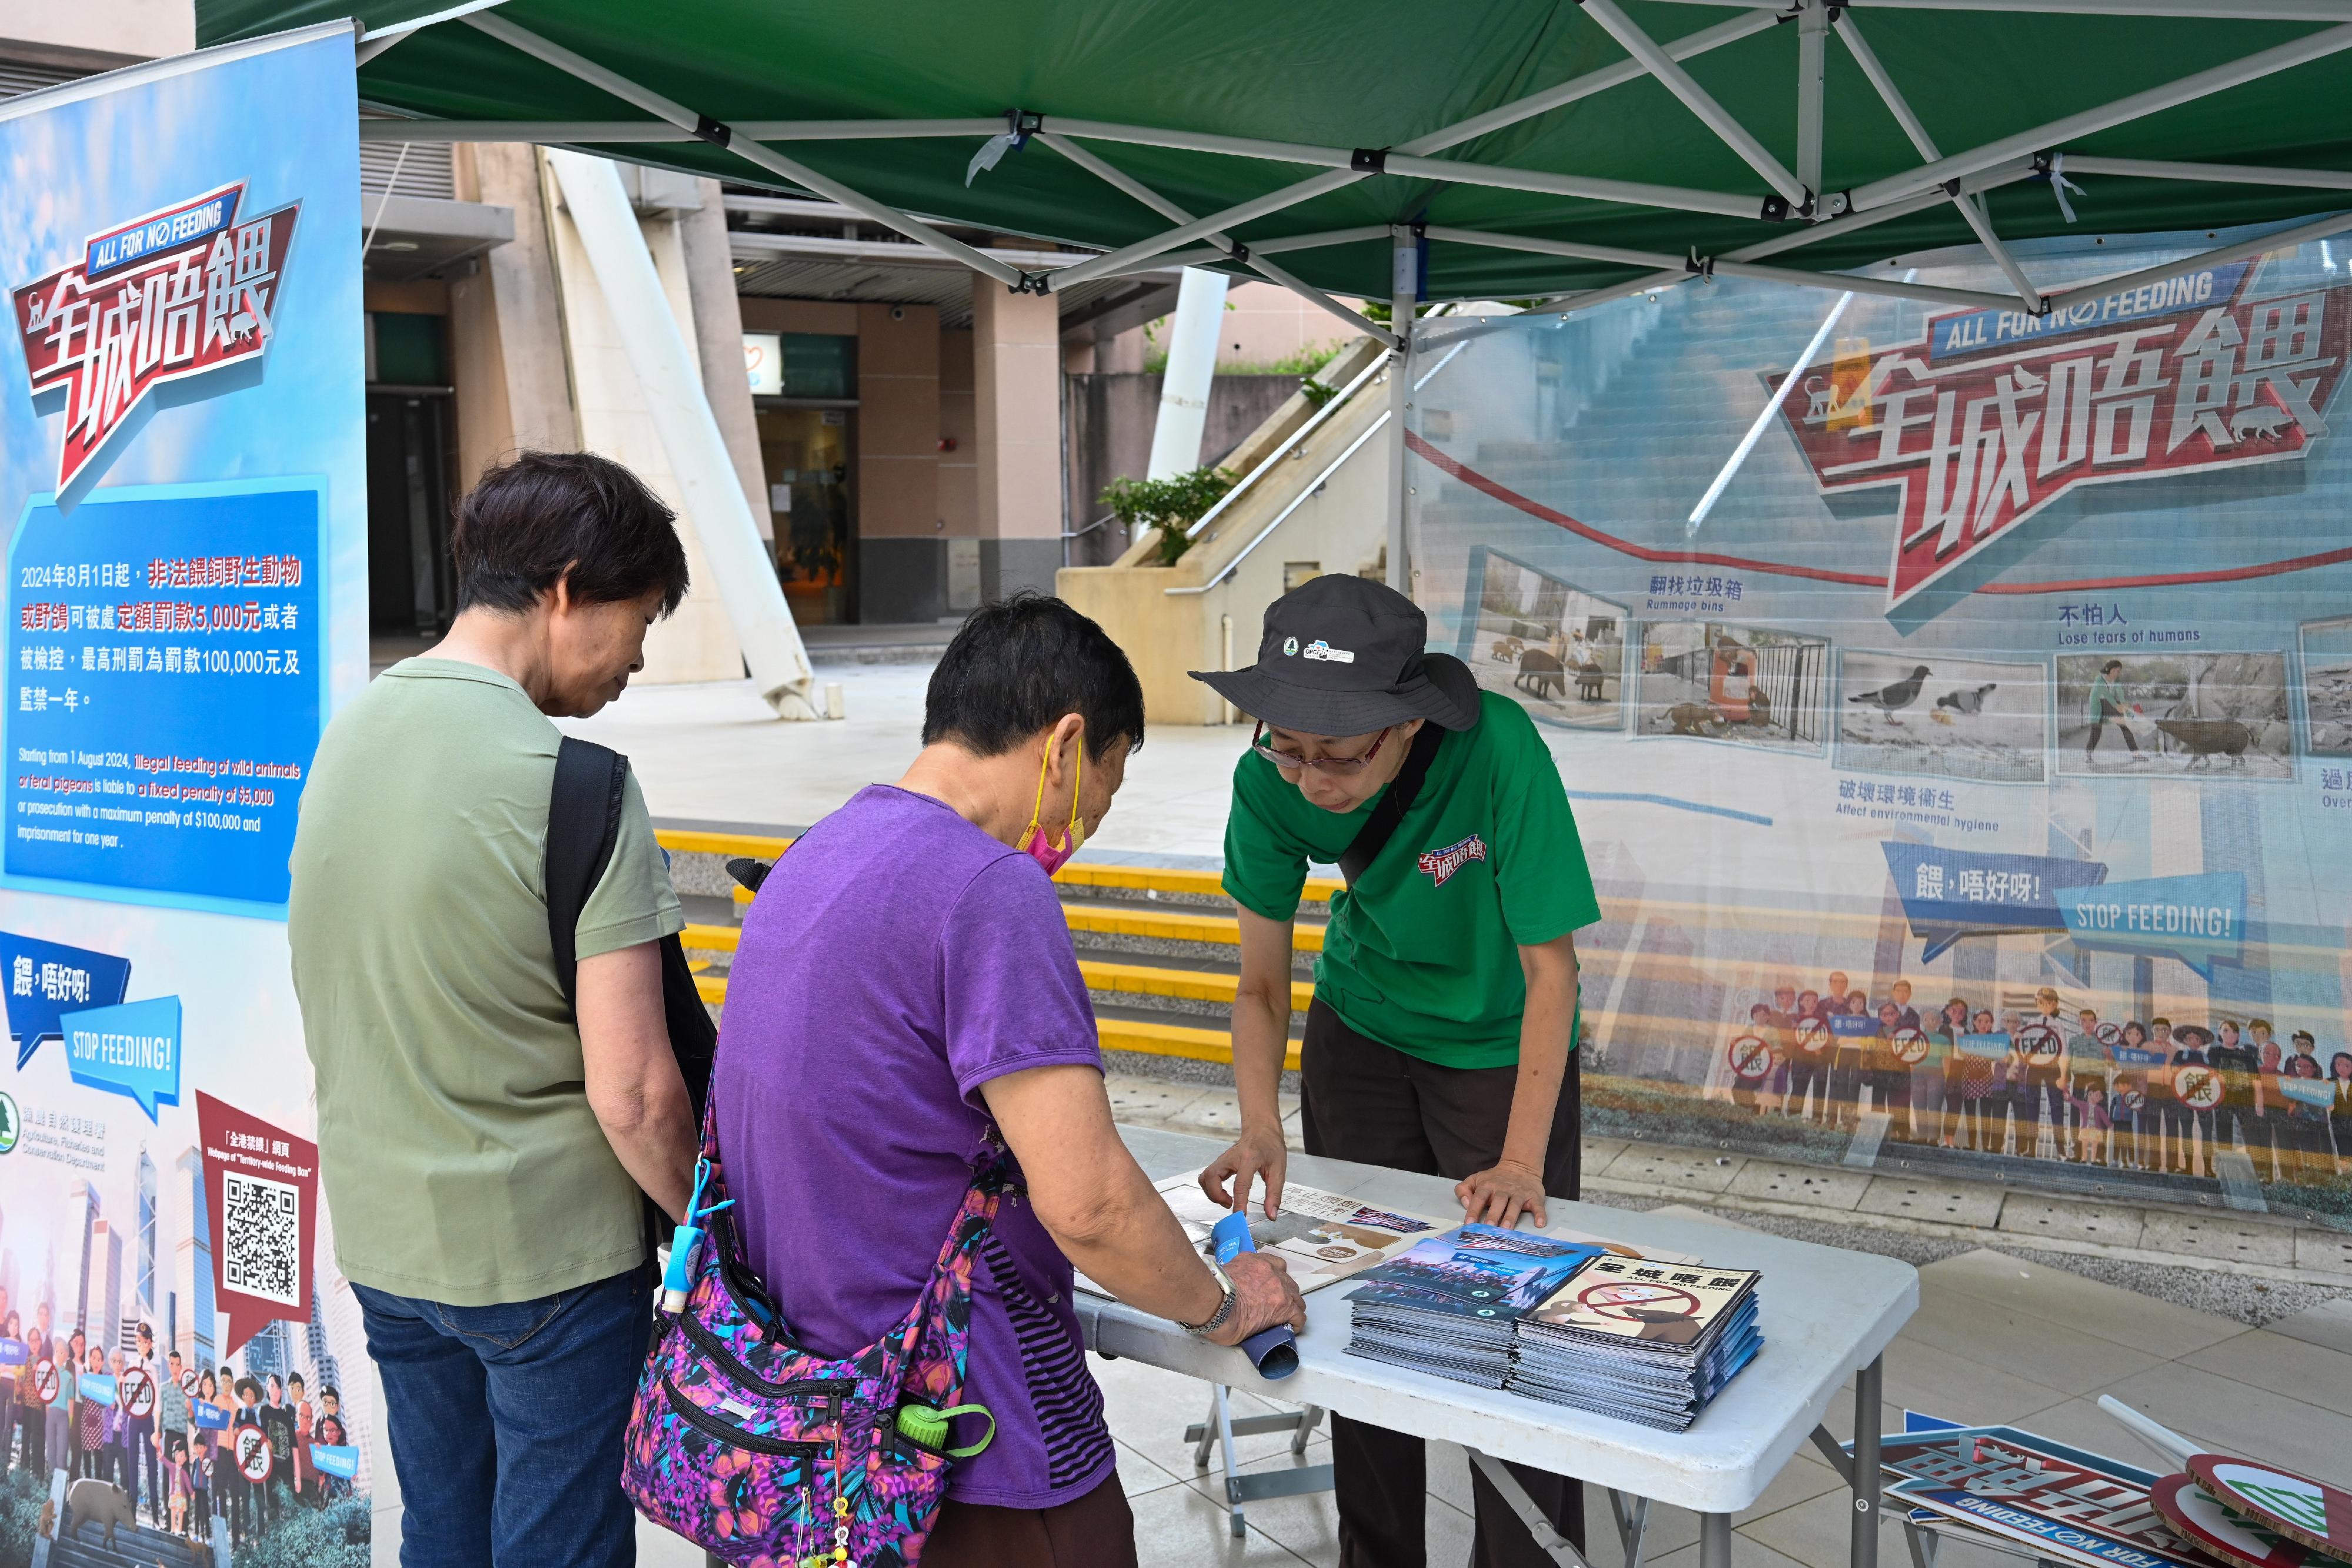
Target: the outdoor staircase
(1644, 451)
(1158, 946)
(83, 1546)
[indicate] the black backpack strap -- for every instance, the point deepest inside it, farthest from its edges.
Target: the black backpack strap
(1381, 825)
(584, 821)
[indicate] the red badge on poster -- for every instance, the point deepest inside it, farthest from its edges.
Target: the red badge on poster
(2198, 1087)
(188, 1381)
(138, 1394)
(1812, 1036)
(254, 1459)
(261, 1194)
(45, 1381)
(1749, 1058)
(2041, 1044)
(1910, 1046)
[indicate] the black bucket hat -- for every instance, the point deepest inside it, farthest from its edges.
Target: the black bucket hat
(1345, 656)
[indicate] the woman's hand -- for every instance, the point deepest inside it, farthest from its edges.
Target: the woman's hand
(1264, 1295)
(1258, 1154)
(1500, 1195)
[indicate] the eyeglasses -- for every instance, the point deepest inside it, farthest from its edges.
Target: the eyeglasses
(1333, 765)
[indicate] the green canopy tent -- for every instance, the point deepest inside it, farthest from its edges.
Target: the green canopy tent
(1570, 150)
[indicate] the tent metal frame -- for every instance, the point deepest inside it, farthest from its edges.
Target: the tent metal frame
(1792, 197)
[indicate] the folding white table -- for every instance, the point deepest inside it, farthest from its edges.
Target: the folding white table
(1827, 1315)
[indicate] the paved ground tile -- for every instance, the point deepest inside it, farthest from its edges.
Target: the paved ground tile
(1687, 1169)
(2069, 1219)
(2109, 1311)
(2214, 1237)
(1810, 1185)
(1946, 1202)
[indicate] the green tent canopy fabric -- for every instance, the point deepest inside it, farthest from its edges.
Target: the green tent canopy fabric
(1343, 83)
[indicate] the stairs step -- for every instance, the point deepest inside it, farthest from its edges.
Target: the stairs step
(1105, 919)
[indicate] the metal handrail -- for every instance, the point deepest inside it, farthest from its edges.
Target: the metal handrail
(1282, 452)
(1081, 533)
(1296, 502)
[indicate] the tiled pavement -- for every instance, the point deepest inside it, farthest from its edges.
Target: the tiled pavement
(1994, 1340)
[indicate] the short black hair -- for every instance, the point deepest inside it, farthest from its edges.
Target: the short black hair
(544, 517)
(1021, 666)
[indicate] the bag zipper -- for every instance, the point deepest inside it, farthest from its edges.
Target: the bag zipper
(709, 1344)
(725, 1432)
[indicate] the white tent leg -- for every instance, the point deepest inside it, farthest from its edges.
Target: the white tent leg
(1191, 366)
(706, 481)
(1405, 293)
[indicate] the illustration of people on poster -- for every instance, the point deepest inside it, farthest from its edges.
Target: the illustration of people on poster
(182, 454)
(1975, 776)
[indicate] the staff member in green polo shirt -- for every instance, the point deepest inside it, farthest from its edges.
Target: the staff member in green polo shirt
(1442, 1037)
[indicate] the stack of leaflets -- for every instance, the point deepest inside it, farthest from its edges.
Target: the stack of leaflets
(1449, 1304)
(1638, 1339)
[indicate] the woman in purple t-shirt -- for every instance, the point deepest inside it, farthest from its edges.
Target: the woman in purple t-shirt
(905, 985)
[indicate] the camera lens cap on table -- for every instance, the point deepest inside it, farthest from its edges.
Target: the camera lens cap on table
(2310, 1512)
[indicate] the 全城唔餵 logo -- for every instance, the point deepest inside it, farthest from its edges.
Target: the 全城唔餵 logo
(181, 291)
(1993, 414)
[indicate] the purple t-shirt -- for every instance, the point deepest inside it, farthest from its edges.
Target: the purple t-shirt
(896, 960)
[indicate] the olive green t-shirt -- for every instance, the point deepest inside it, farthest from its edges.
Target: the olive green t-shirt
(460, 1159)
(1423, 954)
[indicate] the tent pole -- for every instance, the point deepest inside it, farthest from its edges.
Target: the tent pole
(1119, 180)
(1694, 98)
(1437, 140)
(2277, 239)
(1727, 267)
(1925, 145)
(1404, 293)
(680, 413)
(2206, 10)
(652, 102)
(2136, 106)
(2218, 173)
(635, 131)
(1812, 62)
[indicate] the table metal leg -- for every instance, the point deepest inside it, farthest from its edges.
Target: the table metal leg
(1923, 1544)
(1867, 1418)
(1713, 1541)
(1206, 1432)
(1547, 1539)
(1632, 1524)
(1225, 1446)
(1222, 1427)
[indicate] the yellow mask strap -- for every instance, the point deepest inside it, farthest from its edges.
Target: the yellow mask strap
(1037, 806)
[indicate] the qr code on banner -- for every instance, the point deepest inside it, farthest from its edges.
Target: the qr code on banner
(261, 1238)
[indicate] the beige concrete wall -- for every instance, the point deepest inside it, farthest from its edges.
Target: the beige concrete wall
(143, 28)
(898, 420)
(1264, 323)
(837, 318)
(1016, 381)
(697, 642)
(1162, 636)
(959, 469)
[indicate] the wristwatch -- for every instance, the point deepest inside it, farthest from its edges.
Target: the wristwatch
(1217, 1319)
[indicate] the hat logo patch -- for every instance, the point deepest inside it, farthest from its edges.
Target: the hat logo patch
(1441, 865)
(1319, 649)
(1290, 647)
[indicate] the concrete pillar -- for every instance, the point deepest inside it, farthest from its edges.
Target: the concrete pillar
(1016, 385)
(506, 333)
(901, 531)
(719, 343)
(696, 643)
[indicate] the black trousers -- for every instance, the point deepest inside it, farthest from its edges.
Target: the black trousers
(1362, 1100)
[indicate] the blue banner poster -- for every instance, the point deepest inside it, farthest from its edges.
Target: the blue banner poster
(182, 488)
(1971, 671)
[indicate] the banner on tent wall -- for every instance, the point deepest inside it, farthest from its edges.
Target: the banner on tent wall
(2002, 705)
(182, 479)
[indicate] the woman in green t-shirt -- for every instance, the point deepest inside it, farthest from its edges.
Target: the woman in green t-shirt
(1442, 1035)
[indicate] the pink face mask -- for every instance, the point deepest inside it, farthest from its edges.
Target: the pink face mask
(1034, 843)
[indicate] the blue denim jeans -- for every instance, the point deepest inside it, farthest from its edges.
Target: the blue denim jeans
(506, 1422)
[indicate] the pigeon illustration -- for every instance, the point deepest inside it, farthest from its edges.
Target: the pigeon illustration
(1966, 702)
(1899, 696)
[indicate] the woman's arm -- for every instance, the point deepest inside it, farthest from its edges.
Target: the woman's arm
(1514, 1184)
